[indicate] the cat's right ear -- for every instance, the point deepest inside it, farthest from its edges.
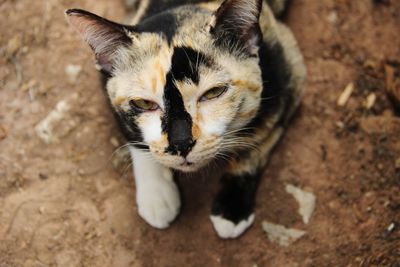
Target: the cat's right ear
(103, 36)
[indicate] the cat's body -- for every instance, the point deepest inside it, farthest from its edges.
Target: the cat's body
(193, 81)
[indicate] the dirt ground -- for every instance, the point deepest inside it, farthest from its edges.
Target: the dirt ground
(70, 201)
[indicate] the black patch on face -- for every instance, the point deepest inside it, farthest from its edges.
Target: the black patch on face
(164, 23)
(129, 128)
(185, 64)
(235, 202)
(177, 122)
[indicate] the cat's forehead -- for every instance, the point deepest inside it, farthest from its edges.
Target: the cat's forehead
(153, 64)
(169, 37)
(176, 23)
(154, 59)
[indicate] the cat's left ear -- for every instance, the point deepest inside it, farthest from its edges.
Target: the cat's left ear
(237, 22)
(103, 36)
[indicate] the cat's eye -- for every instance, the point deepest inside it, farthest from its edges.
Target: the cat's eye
(143, 105)
(213, 93)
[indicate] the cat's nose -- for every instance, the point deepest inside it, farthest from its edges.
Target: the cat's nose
(184, 147)
(180, 138)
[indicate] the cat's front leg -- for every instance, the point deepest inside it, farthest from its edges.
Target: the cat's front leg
(157, 195)
(233, 209)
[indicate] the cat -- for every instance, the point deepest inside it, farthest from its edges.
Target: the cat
(192, 82)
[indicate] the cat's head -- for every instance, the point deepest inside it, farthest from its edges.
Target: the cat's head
(183, 81)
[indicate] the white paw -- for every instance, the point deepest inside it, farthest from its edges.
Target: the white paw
(227, 229)
(158, 202)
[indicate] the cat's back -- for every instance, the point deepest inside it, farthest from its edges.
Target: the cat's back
(143, 9)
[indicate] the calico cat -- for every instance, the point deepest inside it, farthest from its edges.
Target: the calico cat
(194, 81)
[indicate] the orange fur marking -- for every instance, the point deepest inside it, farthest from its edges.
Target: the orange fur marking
(249, 114)
(119, 100)
(161, 72)
(209, 6)
(196, 131)
(189, 43)
(161, 144)
(247, 85)
(162, 75)
(199, 118)
(154, 84)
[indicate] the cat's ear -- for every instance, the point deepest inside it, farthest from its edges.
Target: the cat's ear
(103, 36)
(237, 22)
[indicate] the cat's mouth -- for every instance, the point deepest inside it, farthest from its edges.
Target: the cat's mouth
(186, 163)
(188, 166)
(193, 162)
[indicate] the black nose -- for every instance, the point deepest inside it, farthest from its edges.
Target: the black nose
(180, 138)
(182, 148)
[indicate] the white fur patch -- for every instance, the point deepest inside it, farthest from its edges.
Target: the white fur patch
(227, 229)
(151, 127)
(157, 195)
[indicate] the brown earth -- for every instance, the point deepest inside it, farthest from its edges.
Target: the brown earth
(71, 202)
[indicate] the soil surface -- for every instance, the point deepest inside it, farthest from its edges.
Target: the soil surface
(71, 201)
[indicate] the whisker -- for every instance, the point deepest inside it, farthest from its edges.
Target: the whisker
(125, 170)
(238, 130)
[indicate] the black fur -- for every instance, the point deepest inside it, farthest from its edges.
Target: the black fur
(164, 23)
(159, 6)
(186, 62)
(235, 201)
(177, 122)
(129, 128)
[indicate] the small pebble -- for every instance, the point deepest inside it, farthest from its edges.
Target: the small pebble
(370, 101)
(332, 17)
(345, 95)
(340, 125)
(72, 72)
(391, 227)
(41, 210)
(114, 141)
